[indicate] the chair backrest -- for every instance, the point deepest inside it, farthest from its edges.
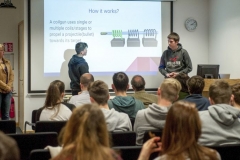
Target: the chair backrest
(8, 126)
(34, 115)
(40, 154)
(127, 138)
(49, 126)
(228, 152)
(28, 142)
(146, 136)
(132, 152)
(132, 122)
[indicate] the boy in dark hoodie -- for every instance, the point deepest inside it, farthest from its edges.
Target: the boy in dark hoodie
(175, 59)
(77, 66)
(122, 102)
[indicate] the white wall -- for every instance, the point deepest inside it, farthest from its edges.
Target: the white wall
(196, 42)
(224, 35)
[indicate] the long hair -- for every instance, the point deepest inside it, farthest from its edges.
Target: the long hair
(85, 135)
(54, 93)
(181, 133)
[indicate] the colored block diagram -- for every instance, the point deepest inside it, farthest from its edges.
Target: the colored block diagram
(133, 40)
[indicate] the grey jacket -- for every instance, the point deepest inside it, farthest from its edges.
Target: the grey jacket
(116, 121)
(220, 125)
(152, 118)
(175, 61)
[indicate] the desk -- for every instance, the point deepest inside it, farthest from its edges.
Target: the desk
(208, 82)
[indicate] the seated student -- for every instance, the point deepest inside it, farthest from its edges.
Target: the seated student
(54, 109)
(8, 148)
(182, 78)
(180, 137)
(195, 86)
(138, 85)
(220, 123)
(85, 136)
(153, 117)
(116, 121)
(235, 102)
(83, 96)
(122, 102)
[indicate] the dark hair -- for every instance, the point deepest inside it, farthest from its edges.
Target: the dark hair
(8, 148)
(220, 92)
(138, 83)
(98, 90)
(236, 92)
(182, 78)
(195, 84)
(86, 79)
(174, 36)
(80, 46)
(120, 81)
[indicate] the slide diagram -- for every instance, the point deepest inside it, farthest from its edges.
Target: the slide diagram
(148, 39)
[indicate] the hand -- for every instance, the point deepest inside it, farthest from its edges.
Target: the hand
(174, 74)
(149, 147)
(8, 90)
(170, 75)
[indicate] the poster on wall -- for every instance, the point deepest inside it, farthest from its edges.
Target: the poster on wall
(8, 46)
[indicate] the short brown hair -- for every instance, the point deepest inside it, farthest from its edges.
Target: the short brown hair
(86, 79)
(195, 84)
(182, 78)
(236, 92)
(98, 90)
(170, 89)
(120, 81)
(138, 83)
(220, 92)
(174, 36)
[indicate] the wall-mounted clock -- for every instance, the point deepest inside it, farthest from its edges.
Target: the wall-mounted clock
(191, 24)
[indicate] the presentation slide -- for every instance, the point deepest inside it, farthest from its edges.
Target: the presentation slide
(121, 36)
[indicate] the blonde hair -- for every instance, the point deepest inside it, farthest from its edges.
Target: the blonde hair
(170, 89)
(85, 135)
(2, 46)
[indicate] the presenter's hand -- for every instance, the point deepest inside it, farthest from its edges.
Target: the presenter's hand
(170, 75)
(174, 74)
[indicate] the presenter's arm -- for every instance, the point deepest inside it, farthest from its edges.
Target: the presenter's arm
(162, 65)
(187, 62)
(11, 76)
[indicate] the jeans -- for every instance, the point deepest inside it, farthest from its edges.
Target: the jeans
(5, 102)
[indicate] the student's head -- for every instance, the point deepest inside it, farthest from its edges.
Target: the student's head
(8, 148)
(169, 89)
(195, 85)
(138, 83)
(182, 78)
(120, 82)
(81, 48)
(182, 128)
(220, 92)
(1, 50)
(173, 39)
(236, 94)
(85, 135)
(86, 79)
(98, 92)
(55, 93)
(181, 133)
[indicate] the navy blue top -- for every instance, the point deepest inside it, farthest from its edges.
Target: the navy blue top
(201, 102)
